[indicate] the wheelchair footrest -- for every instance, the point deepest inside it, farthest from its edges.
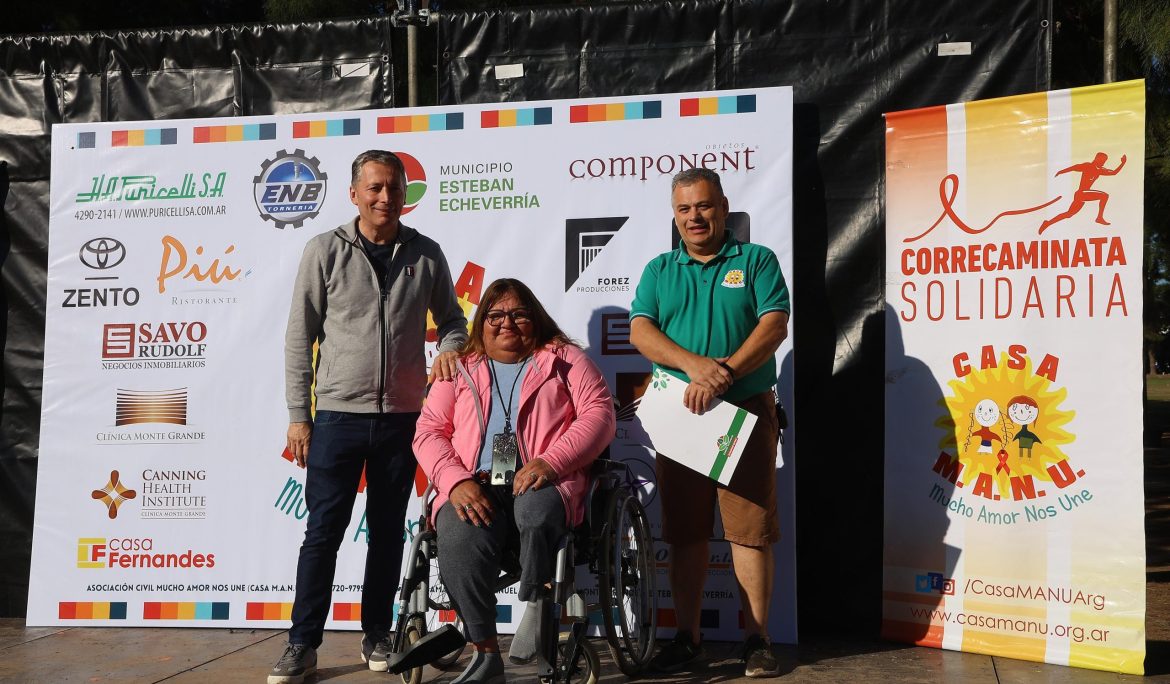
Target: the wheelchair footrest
(427, 649)
(576, 609)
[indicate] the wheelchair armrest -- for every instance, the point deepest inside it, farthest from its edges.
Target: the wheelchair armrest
(606, 466)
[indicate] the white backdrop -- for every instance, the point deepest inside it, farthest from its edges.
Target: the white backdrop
(163, 497)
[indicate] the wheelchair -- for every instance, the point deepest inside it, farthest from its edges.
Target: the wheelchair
(614, 542)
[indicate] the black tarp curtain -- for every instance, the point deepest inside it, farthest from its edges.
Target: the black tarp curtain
(848, 62)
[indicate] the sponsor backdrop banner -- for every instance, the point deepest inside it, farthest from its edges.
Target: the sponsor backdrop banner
(1013, 486)
(164, 496)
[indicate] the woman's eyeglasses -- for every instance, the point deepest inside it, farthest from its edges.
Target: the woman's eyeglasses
(495, 317)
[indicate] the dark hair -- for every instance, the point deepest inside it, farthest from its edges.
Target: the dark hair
(378, 157)
(692, 176)
(545, 330)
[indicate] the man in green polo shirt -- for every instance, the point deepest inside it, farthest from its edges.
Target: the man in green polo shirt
(712, 313)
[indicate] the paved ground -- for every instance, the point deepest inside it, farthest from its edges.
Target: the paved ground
(226, 656)
(222, 656)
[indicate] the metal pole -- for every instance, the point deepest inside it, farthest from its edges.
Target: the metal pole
(412, 64)
(1110, 41)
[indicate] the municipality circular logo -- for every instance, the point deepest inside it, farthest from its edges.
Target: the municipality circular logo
(290, 188)
(416, 181)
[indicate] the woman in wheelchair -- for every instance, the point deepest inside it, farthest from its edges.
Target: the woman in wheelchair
(508, 445)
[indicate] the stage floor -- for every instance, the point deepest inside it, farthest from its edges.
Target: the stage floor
(94, 654)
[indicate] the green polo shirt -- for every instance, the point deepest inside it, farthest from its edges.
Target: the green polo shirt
(710, 309)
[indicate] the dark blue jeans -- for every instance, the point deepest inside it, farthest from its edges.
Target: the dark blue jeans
(341, 444)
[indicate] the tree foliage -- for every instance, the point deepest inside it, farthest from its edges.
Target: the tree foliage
(1145, 25)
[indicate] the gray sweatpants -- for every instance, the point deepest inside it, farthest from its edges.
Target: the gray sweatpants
(469, 556)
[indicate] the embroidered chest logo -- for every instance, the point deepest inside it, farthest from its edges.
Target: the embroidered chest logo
(733, 278)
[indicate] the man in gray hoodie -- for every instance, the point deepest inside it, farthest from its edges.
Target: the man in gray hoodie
(361, 296)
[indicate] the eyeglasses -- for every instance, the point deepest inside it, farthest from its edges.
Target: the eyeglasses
(495, 317)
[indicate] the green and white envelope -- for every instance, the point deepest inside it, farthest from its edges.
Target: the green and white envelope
(710, 444)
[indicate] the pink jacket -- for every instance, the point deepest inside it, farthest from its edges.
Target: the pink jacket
(564, 416)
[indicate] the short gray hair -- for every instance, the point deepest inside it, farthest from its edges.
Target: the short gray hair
(378, 157)
(692, 176)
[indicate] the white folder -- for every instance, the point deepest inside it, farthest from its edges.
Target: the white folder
(710, 443)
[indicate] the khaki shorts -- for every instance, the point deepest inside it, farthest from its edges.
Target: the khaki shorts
(747, 505)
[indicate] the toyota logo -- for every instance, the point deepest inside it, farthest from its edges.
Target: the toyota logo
(102, 253)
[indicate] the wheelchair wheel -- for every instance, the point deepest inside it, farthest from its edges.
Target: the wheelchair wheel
(413, 634)
(587, 669)
(440, 610)
(627, 587)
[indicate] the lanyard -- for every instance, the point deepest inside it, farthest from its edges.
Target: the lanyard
(507, 407)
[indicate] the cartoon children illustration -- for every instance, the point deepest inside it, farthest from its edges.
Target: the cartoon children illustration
(1023, 410)
(987, 415)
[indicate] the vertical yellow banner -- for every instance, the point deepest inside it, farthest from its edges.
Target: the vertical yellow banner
(1013, 507)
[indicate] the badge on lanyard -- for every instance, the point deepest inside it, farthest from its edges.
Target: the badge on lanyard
(505, 453)
(505, 449)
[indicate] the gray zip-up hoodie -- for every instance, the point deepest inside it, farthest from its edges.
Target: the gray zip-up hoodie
(370, 355)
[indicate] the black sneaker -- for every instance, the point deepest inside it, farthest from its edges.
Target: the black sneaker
(677, 654)
(759, 661)
(297, 662)
(377, 654)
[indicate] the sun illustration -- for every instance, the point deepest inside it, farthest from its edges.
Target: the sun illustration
(1007, 423)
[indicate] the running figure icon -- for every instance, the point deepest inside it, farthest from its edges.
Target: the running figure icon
(1090, 172)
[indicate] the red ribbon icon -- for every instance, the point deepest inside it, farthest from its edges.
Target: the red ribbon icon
(1003, 464)
(948, 190)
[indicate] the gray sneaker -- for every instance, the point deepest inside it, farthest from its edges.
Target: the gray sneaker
(377, 654)
(759, 661)
(297, 662)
